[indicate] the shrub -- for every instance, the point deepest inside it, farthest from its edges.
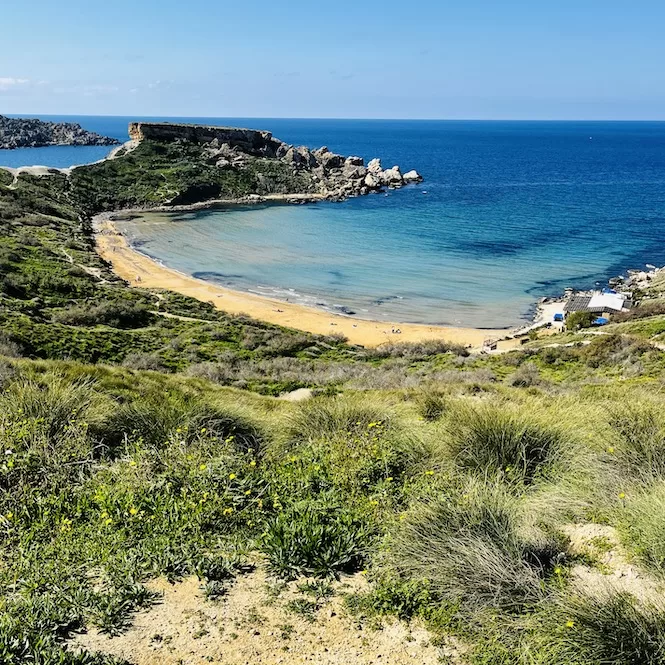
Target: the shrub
(430, 404)
(144, 361)
(578, 320)
(315, 539)
(114, 314)
(526, 376)
(417, 350)
(492, 440)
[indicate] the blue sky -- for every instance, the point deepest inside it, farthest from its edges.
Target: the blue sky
(539, 59)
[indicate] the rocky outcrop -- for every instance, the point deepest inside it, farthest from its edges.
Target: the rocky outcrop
(329, 174)
(33, 133)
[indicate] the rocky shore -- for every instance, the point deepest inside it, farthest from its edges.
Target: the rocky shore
(34, 133)
(329, 175)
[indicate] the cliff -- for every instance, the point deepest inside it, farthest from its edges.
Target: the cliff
(34, 133)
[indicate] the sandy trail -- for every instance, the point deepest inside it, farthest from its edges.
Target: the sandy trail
(140, 270)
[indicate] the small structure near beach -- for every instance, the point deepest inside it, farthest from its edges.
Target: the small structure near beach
(604, 303)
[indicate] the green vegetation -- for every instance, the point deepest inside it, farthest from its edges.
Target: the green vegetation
(135, 445)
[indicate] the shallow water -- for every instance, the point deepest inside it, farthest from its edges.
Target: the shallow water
(512, 211)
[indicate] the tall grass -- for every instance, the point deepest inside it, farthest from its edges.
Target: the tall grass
(501, 440)
(469, 547)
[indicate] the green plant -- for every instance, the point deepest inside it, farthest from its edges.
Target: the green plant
(317, 540)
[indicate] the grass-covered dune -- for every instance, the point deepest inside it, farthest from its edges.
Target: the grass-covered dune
(514, 505)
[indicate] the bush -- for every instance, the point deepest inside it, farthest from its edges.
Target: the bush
(491, 440)
(114, 314)
(313, 539)
(417, 350)
(578, 320)
(431, 405)
(526, 376)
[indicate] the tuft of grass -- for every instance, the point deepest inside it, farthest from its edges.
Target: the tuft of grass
(493, 440)
(470, 549)
(609, 629)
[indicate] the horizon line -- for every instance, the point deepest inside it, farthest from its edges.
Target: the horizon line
(257, 117)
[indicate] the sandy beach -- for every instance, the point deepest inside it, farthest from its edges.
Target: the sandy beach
(140, 270)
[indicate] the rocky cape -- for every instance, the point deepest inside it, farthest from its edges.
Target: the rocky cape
(328, 174)
(34, 133)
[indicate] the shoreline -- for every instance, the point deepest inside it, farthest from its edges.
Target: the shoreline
(142, 271)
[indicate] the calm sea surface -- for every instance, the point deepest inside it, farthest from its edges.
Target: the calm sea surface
(508, 212)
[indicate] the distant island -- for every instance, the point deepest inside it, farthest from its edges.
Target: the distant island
(34, 133)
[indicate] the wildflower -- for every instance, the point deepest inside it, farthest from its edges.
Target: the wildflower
(104, 514)
(133, 510)
(232, 476)
(389, 479)
(203, 430)
(132, 463)
(202, 467)
(9, 515)
(228, 511)
(9, 451)
(108, 521)
(570, 624)
(429, 473)
(253, 463)
(557, 570)
(622, 495)
(374, 502)
(248, 492)
(610, 450)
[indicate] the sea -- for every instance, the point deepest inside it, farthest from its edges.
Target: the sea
(508, 213)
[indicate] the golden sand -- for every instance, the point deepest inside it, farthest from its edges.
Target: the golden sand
(140, 270)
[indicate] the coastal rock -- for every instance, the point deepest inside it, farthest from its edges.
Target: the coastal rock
(374, 166)
(312, 173)
(33, 133)
(412, 176)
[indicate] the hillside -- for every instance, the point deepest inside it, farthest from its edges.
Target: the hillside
(34, 133)
(159, 503)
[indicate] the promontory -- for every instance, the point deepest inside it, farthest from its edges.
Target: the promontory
(34, 133)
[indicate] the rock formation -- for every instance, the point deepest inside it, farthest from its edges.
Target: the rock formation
(33, 133)
(333, 176)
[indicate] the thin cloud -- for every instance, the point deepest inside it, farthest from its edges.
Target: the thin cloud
(8, 82)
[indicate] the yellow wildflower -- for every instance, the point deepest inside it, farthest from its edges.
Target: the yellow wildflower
(133, 510)
(610, 449)
(622, 495)
(203, 430)
(389, 479)
(253, 463)
(132, 463)
(570, 624)
(429, 473)
(202, 467)
(228, 511)
(108, 521)
(232, 476)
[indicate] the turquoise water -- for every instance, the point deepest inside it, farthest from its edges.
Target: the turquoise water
(513, 211)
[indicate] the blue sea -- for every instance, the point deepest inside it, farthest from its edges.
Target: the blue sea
(509, 212)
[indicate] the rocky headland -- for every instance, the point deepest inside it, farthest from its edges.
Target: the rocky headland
(34, 133)
(324, 174)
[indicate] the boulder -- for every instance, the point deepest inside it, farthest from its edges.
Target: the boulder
(353, 172)
(392, 177)
(330, 160)
(354, 161)
(372, 181)
(412, 176)
(374, 166)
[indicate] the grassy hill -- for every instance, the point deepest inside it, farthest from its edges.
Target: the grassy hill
(512, 505)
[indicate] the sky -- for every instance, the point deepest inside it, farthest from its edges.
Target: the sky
(491, 59)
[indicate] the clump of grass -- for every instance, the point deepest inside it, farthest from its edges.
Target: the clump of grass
(315, 540)
(642, 524)
(431, 404)
(641, 430)
(492, 440)
(321, 418)
(155, 418)
(470, 548)
(611, 628)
